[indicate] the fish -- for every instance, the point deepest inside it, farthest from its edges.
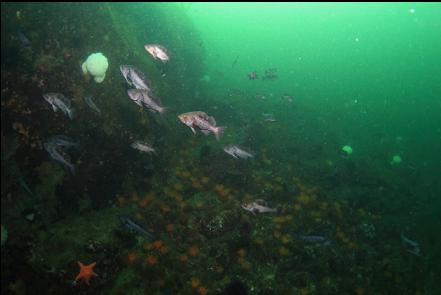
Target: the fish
(235, 61)
(56, 154)
(253, 75)
(288, 98)
(412, 247)
(59, 102)
(260, 96)
(91, 104)
(237, 152)
(23, 183)
(268, 117)
(144, 98)
(259, 206)
(134, 77)
(270, 74)
(143, 147)
(62, 141)
(24, 41)
(236, 93)
(158, 52)
(202, 121)
(206, 78)
(314, 239)
(136, 228)
(54, 146)
(25, 186)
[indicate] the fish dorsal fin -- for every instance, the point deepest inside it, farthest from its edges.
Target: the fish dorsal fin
(165, 50)
(197, 113)
(202, 115)
(138, 72)
(142, 76)
(162, 48)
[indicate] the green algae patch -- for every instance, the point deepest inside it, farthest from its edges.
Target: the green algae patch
(77, 238)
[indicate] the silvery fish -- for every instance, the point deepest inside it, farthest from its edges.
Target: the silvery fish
(54, 146)
(62, 141)
(314, 239)
(134, 77)
(91, 104)
(259, 206)
(56, 153)
(144, 99)
(237, 152)
(24, 41)
(136, 228)
(411, 246)
(158, 52)
(288, 97)
(268, 117)
(23, 183)
(59, 102)
(253, 75)
(143, 147)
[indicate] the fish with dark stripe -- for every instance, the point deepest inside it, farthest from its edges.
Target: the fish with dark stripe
(136, 228)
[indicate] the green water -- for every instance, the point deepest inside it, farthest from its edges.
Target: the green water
(330, 75)
(362, 69)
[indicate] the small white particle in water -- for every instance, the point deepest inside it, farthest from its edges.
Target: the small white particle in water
(356, 39)
(412, 10)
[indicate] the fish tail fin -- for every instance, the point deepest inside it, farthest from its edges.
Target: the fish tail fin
(218, 132)
(69, 167)
(162, 111)
(72, 169)
(71, 113)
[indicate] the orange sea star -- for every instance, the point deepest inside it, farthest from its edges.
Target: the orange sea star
(86, 272)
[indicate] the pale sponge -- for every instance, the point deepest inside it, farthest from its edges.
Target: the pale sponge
(96, 65)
